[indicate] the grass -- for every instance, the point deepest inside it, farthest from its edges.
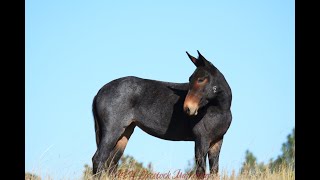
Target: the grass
(284, 172)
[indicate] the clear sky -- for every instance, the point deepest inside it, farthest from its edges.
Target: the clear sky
(73, 48)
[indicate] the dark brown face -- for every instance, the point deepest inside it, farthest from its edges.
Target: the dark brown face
(198, 82)
(202, 85)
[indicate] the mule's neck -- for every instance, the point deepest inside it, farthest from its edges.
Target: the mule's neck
(224, 96)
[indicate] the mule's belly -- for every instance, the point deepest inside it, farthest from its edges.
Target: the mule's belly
(186, 136)
(166, 124)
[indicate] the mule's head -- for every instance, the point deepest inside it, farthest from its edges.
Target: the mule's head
(203, 85)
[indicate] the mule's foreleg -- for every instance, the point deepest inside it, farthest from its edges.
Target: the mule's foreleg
(201, 150)
(213, 156)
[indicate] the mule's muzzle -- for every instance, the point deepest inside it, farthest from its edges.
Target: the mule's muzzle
(191, 111)
(191, 104)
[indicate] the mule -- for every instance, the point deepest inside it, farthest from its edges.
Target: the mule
(197, 111)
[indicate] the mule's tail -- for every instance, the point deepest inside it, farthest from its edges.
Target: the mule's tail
(96, 121)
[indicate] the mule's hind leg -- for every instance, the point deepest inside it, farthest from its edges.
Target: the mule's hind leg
(119, 148)
(102, 154)
(109, 138)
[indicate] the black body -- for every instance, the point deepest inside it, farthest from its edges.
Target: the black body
(196, 111)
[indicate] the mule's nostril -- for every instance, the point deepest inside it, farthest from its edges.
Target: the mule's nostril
(188, 110)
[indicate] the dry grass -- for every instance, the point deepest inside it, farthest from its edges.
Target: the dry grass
(283, 173)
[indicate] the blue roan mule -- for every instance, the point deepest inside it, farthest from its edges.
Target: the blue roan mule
(197, 111)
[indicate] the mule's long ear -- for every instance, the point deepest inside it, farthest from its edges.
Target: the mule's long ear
(198, 62)
(204, 60)
(200, 56)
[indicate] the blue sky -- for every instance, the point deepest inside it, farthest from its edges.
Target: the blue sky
(73, 48)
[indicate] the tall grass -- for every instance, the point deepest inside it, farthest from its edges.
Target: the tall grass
(284, 172)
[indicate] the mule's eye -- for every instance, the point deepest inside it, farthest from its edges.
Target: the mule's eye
(200, 80)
